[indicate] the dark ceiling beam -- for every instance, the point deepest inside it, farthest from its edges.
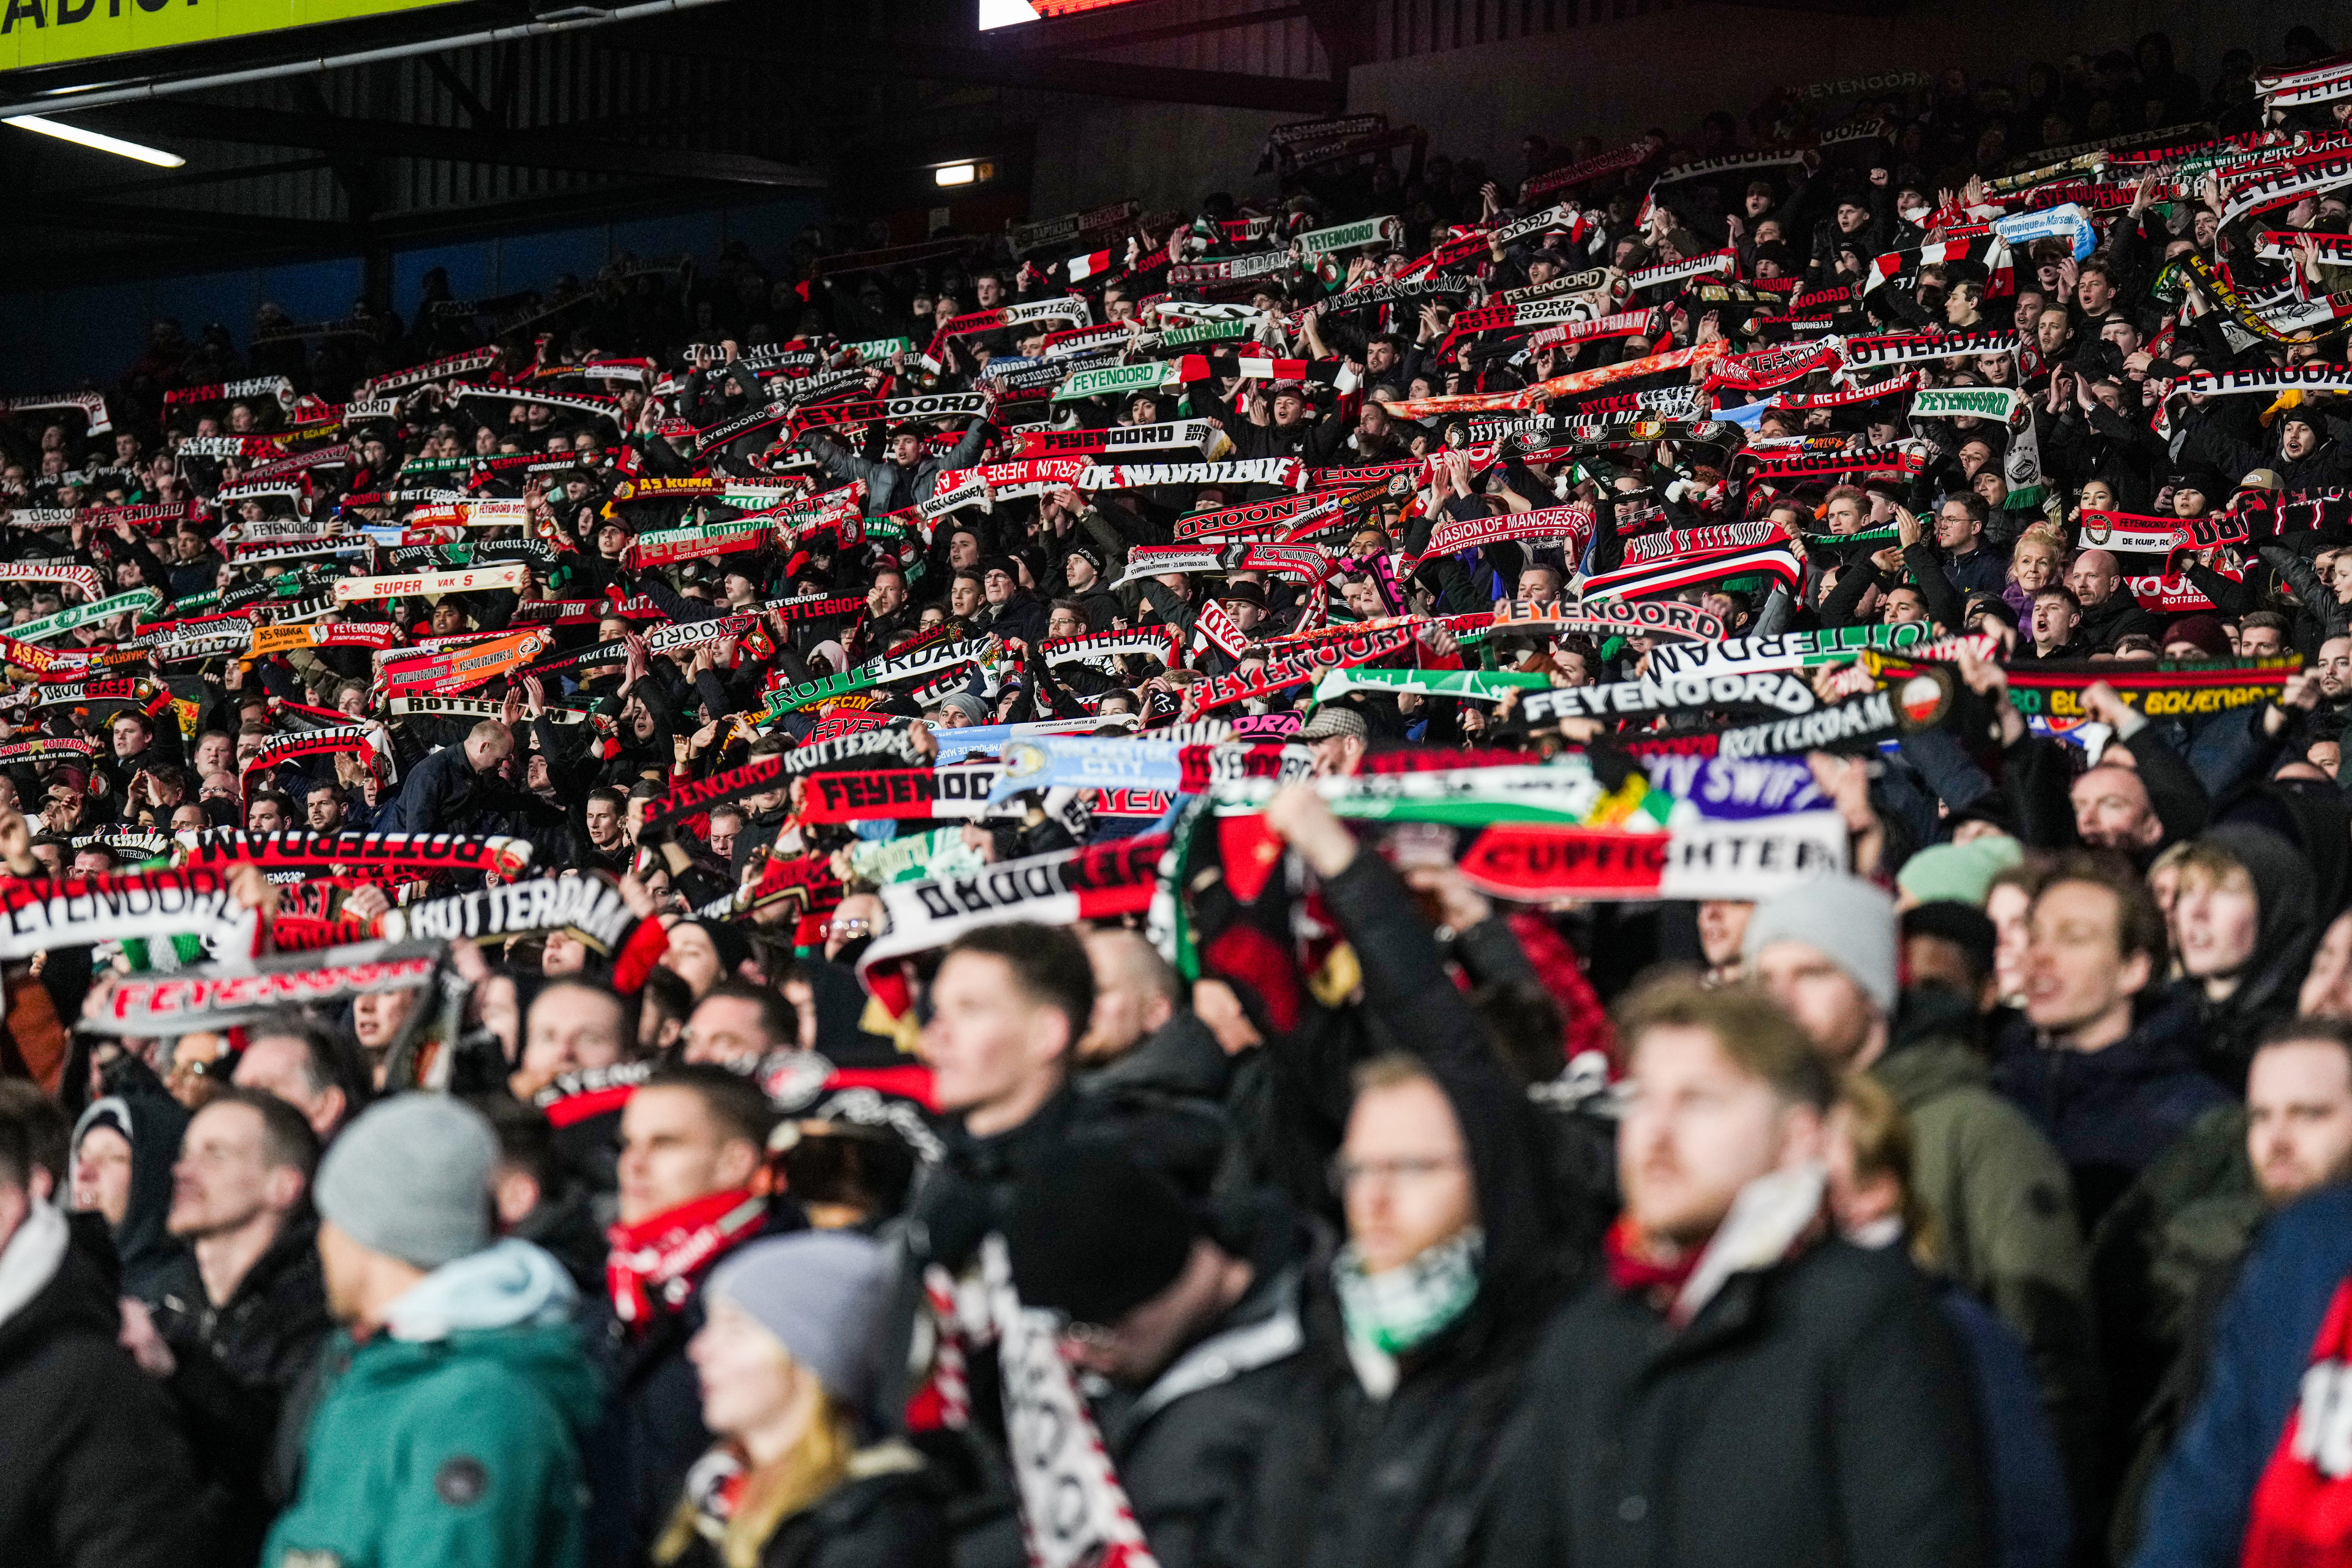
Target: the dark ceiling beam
(552, 149)
(748, 40)
(1053, 40)
(183, 179)
(273, 233)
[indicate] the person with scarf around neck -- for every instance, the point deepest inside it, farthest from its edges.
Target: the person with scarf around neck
(1740, 1385)
(1009, 1005)
(1419, 1328)
(787, 1366)
(693, 1189)
(97, 1473)
(453, 1401)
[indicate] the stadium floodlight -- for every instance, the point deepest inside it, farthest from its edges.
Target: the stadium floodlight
(91, 139)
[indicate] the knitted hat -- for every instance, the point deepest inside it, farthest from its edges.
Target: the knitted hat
(1094, 1235)
(968, 703)
(411, 1179)
(1848, 921)
(2205, 631)
(821, 1293)
(1958, 873)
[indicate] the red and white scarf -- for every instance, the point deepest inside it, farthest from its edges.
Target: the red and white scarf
(668, 1254)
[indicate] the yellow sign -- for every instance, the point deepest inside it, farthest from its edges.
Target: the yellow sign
(53, 32)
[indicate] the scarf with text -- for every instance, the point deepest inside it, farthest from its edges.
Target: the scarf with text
(667, 1255)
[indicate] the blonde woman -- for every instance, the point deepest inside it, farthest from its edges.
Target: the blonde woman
(788, 1361)
(2036, 560)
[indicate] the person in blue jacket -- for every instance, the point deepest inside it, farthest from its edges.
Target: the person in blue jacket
(2197, 1509)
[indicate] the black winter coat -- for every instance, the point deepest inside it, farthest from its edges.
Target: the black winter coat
(237, 1362)
(1188, 1447)
(97, 1472)
(893, 1519)
(652, 1432)
(1815, 1413)
(1352, 1480)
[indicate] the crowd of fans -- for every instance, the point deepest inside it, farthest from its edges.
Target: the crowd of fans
(1645, 863)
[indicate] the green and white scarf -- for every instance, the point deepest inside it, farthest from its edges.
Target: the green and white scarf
(1402, 1309)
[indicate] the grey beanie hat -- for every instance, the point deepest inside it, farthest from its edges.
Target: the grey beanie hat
(411, 1179)
(821, 1293)
(1848, 921)
(971, 704)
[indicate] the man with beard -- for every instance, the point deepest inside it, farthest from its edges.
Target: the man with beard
(240, 1312)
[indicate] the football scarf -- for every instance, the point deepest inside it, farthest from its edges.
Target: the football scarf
(1672, 575)
(1199, 436)
(2300, 1512)
(1073, 1511)
(1558, 523)
(137, 601)
(1670, 619)
(1888, 349)
(463, 668)
(814, 609)
(1788, 650)
(1668, 694)
(465, 364)
(663, 1256)
(417, 584)
(953, 790)
(144, 694)
(1062, 309)
(144, 1005)
(668, 546)
(2052, 689)
(83, 578)
(64, 661)
(271, 386)
(1266, 520)
(1285, 472)
(46, 747)
(328, 741)
(775, 771)
(1472, 685)
(1296, 668)
(591, 908)
(376, 635)
(984, 486)
(405, 855)
(36, 914)
(476, 709)
(887, 670)
(1094, 882)
(92, 405)
(607, 408)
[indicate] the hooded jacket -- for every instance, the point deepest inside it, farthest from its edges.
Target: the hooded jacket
(1188, 1447)
(136, 1106)
(97, 1473)
(453, 1433)
(1350, 1479)
(2109, 1112)
(2001, 1202)
(2288, 927)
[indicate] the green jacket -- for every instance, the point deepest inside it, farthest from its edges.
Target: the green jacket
(456, 1443)
(2004, 1216)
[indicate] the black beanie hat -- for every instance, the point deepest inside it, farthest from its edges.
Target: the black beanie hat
(1095, 1235)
